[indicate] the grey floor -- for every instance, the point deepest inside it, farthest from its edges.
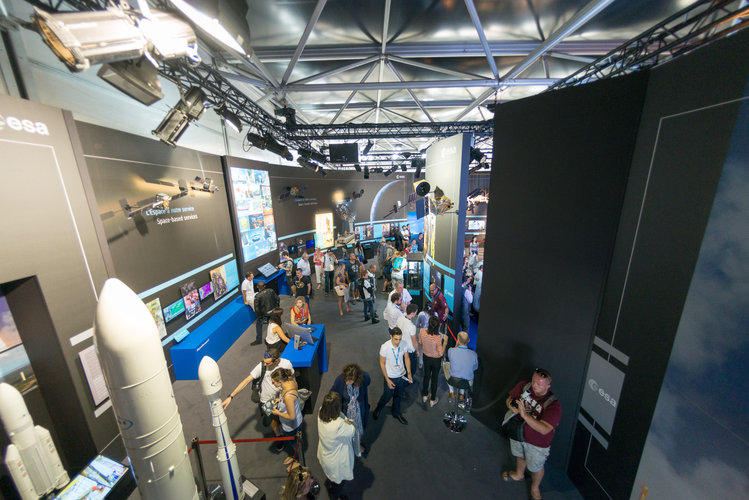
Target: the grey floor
(420, 460)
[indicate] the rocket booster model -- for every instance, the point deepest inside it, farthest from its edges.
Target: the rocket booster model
(31, 457)
(132, 360)
(210, 382)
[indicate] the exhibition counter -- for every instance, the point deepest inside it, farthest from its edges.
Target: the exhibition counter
(309, 363)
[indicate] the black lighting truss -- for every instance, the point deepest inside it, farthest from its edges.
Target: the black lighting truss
(218, 90)
(389, 130)
(688, 29)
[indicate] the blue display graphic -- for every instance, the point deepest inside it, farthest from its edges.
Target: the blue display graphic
(254, 211)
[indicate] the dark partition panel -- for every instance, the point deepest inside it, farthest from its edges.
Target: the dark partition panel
(561, 162)
(686, 127)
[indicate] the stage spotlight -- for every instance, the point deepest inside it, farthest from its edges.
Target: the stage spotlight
(289, 115)
(137, 78)
(80, 39)
(392, 169)
(190, 107)
(312, 154)
(366, 171)
(357, 167)
(377, 170)
(272, 145)
(477, 155)
(367, 148)
(418, 164)
(311, 165)
(230, 119)
(478, 167)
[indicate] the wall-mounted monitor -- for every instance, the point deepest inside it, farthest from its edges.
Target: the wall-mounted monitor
(344, 153)
(477, 224)
(254, 212)
(173, 310)
(310, 243)
(205, 290)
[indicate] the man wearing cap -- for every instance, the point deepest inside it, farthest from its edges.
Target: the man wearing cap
(540, 410)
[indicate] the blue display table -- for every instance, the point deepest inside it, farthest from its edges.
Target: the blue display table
(281, 285)
(213, 338)
(309, 362)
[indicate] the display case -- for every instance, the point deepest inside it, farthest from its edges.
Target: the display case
(413, 276)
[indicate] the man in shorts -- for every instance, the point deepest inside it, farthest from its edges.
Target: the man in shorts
(535, 403)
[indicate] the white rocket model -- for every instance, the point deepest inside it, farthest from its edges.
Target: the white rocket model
(31, 457)
(135, 371)
(210, 382)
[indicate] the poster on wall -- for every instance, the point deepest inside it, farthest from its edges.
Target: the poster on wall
(15, 367)
(173, 310)
(192, 304)
(158, 316)
(218, 282)
(324, 236)
(254, 212)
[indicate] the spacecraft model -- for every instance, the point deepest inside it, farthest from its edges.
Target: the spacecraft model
(132, 360)
(210, 382)
(31, 457)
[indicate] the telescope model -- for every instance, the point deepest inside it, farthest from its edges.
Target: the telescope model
(132, 360)
(31, 457)
(210, 382)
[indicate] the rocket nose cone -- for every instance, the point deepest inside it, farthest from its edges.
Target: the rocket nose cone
(209, 375)
(122, 321)
(12, 406)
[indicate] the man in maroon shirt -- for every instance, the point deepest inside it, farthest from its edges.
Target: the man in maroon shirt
(535, 403)
(439, 304)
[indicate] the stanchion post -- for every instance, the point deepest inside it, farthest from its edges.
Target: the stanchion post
(201, 471)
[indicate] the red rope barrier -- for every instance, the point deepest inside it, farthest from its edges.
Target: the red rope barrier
(451, 333)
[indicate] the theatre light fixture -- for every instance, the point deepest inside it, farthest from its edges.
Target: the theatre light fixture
(80, 39)
(310, 153)
(269, 143)
(190, 107)
(418, 164)
(477, 155)
(311, 165)
(392, 169)
(230, 119)
(367, 148)
(366, 171)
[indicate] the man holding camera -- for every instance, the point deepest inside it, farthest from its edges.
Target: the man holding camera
(540, 411)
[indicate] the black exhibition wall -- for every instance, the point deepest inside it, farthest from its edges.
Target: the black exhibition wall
(153, 245)
(687, 124)
(295, 215)
(559, 174)
(51, 270)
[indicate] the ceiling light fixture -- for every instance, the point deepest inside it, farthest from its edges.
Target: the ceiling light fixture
(366, 171)
(190, 107)
(368, 147)
(209, 25)
(230, 119)
(392, 169)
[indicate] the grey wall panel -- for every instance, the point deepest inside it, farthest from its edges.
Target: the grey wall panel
(559, 175)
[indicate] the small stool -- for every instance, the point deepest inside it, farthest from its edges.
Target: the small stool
(453, 420)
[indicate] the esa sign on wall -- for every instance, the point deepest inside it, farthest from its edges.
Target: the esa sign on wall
(602, 390)
(22, 125)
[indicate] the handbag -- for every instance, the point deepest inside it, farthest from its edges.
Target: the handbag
(340, 290)
(257, 386)
(512, 427)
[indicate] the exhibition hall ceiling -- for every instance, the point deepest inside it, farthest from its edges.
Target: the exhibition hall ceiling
(380, 62)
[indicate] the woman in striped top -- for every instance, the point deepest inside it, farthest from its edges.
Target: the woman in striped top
(433, 347)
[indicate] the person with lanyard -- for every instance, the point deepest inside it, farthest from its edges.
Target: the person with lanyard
(352, 385)
(366, 287)
(300, 312)
(329, 263)
(271, 361)
(463, 362)
(392, 311)
(396, 370)
(439, 304)
(287, 264)
(318, 258)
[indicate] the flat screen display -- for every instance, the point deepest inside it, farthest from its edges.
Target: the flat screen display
(324, 230)
(95, 481)
(477, 224)
(311, 243)
(254, 212)
(173, 310)
(205, 290)
(267, 269)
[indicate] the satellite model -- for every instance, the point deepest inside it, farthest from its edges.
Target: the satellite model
(439, 203)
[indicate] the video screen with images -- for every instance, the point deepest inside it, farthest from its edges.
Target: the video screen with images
(254, 212)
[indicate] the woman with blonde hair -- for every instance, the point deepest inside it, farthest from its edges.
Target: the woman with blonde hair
(300, 312)
(335, 448)
(341, 287)
(288, 405)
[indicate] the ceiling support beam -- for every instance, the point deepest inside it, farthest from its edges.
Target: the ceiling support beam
(476, 102)
(303, 40)
(335, 71)
(410, 92)
(431, 67)
(352, 94)
(405, 104)
(583, 16)
(482, 36)
(434, 84)
(383, 46)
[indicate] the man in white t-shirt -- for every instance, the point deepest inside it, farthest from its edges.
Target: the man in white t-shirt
(396, 368)
(392, 311)
(410, 340)
(272, 361)
(303, 264)
(404, 294)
